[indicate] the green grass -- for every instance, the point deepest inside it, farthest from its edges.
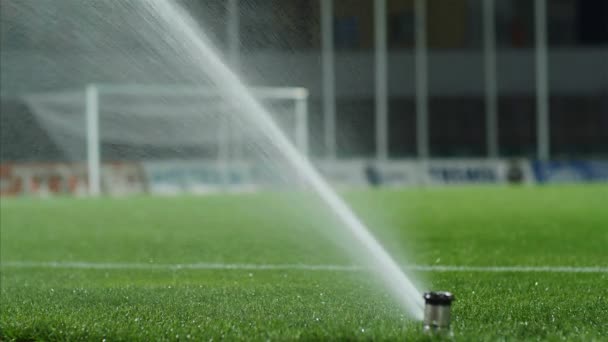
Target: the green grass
(483, 226)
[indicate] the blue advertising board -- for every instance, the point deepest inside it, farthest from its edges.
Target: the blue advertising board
(570, 171)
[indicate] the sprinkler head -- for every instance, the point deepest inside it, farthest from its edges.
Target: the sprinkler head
(437, 311)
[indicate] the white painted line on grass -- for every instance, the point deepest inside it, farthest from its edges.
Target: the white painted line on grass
(174, 267)
(288, 267)
(515, 269)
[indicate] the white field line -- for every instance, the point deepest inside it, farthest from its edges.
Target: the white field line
(289, 267)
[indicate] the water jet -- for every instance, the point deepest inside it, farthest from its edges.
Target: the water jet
(178, 50)
(184, 35)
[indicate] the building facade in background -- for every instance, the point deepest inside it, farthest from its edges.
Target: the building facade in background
(280, 45)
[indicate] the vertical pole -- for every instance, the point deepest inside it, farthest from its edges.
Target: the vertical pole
(234, 56)
(329, 82)
(490, 78)
(93, 143)
(422, 98)
(542, 84)
(302, 124)
(232, 29)
(381, 80)
(223, 141)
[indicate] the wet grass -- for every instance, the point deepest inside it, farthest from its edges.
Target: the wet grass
(546, 226)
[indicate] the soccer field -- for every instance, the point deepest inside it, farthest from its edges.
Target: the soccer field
(523, 263)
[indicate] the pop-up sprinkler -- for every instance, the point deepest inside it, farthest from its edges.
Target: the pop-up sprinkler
(437, 311)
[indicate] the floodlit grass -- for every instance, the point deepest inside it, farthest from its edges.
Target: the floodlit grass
(482, 226)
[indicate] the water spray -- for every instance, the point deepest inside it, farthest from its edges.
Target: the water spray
(437, 312)
(185, 37)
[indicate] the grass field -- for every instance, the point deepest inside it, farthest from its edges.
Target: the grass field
(130, 289)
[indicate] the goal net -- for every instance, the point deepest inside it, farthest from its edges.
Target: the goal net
(164, 125)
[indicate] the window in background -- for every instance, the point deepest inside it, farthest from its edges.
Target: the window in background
(355, 136)
(346, 32)
(456, 126)
(562, 22)
(400, 22)
(297, 23)
(447, 24)
(211, 16)
(402, 127)
(515, 23)
(257, 23)
(279, 25)
(353, 25)
(592, 22)
(517, 126)
(578, 127)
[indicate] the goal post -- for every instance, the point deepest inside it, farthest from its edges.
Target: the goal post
(93, 142)
(162, 116)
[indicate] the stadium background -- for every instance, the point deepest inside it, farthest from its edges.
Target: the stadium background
(281, 44)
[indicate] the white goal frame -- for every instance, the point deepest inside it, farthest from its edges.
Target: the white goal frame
(297, 94)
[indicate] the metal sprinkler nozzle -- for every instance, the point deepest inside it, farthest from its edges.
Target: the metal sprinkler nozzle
(437, 311)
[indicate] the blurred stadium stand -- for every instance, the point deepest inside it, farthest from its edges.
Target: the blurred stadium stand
(578, 38)
(281, 46)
